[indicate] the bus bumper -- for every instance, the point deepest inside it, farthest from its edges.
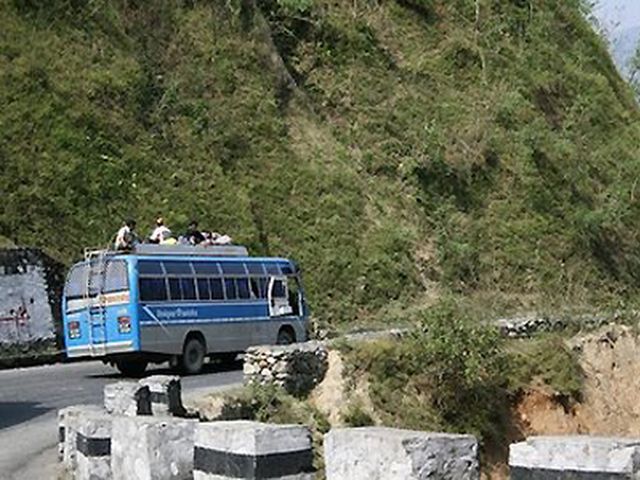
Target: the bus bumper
(100, 349)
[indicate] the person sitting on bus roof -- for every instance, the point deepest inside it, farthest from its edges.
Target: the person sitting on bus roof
(193, 236)
(214, 238)
(126, 238)
(161, 233)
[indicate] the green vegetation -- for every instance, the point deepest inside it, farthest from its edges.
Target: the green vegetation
(397, 149)
(274, 405)
(457, 374)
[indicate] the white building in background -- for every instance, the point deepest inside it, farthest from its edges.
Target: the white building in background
(30, 292)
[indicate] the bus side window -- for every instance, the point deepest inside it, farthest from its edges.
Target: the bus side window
(243, 288)
(255, 288)
(278, 289)
(264, 284)
(230, 288)
(188, 289)
(216, 289)
(204, 291)
(153, 290)
(175, 293)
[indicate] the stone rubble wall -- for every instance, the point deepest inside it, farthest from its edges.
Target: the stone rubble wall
(524, 327)
(297, 368)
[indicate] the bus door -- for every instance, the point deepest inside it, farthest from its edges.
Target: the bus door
(278, 297)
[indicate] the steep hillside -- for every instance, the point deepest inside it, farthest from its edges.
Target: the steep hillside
(396, 148)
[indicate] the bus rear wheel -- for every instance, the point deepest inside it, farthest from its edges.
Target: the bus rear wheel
(132, 368)
(193, 356)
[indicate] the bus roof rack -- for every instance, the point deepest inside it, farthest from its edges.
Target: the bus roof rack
(196, 250)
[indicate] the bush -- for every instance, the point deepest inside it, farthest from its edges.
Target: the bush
(449, 375)
(356, 416)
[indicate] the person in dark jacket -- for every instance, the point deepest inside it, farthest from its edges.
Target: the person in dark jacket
(193, 235)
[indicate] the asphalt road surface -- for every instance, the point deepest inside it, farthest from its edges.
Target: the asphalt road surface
(31, 397)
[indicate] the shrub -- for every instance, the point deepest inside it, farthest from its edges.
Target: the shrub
(450, 374)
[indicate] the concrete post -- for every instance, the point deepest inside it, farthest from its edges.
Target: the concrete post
(67, 435)
(252, 450)
(93, 446)
(575, 458)
(378, 453)
(127, 398)
(152, 448)
(165, 394)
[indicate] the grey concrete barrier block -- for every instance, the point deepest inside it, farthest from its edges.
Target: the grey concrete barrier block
(152, 448)
(165, 394)
(576, 458)
(93, 446)
(67, 434)
(252, 450)
(127, 398)
(378, 453)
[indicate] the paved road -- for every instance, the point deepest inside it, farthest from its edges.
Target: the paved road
(30, 398)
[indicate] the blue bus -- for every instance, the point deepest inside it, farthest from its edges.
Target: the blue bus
(179, 303)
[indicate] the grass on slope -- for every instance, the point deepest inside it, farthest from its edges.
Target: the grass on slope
(396, 149)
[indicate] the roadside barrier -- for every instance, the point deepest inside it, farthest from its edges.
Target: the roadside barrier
(379, 453)
(127, 398)
(67, 435)
(165, 394)
(252, 450)
(152, 448)
(93, 446)
(575, 457)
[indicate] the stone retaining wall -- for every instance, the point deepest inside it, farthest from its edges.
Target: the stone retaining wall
(297, 368)
(523, 327)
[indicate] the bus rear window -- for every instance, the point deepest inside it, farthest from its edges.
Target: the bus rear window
(108, 278)
(76, 282)
(117, 277)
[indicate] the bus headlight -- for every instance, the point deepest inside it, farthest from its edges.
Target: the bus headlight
(73, 328)
(124, 324)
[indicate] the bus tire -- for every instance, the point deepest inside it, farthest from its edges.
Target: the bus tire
(286, 336)
(193, 356)
(132, 368)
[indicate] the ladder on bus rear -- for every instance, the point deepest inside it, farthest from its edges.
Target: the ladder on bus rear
(95, 300)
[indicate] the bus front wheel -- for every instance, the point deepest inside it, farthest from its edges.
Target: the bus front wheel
(193, 356)
(131, 368)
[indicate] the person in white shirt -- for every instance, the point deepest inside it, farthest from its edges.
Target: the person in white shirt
(126, 237)
(161, 233)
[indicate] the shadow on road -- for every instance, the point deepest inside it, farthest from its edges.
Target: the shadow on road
(13, 413)
(209, 368)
